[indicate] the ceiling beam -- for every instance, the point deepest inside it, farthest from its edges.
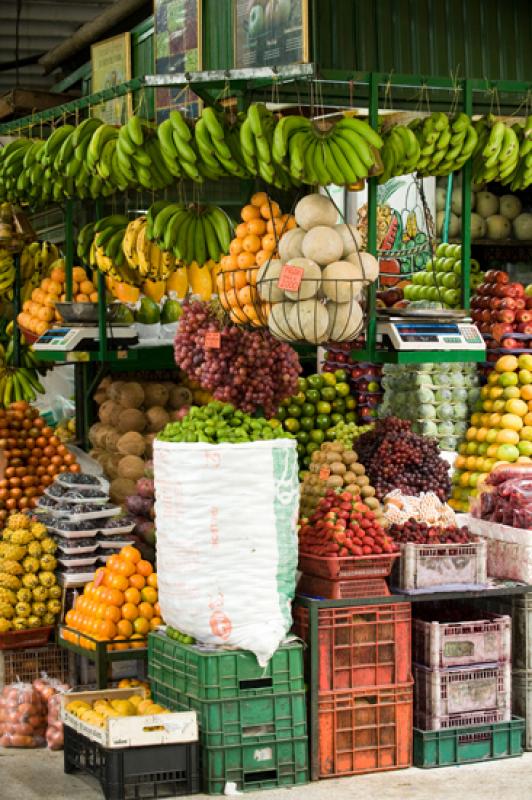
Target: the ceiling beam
(45, 11)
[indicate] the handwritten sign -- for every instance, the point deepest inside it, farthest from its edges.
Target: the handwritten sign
(213, 340)
(324, 473)
(290, 278)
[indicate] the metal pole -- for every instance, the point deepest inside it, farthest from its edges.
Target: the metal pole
(448, 201)
(466, 209)
(102, 290)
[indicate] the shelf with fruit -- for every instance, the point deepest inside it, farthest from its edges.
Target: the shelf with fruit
(441, 281)
(502, 309)
(363, 378)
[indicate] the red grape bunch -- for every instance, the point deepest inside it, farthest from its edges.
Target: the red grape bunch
(397, 458)
(421, 533)
(250, 369)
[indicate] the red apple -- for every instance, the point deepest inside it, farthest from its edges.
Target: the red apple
(516, 290)
(501, 290)
(495, 303)
(525, 327)
(500, 329)
(509, 343)
(501, 277)
(528, 301)
(523, 315)
(507, 315)
(508, 302)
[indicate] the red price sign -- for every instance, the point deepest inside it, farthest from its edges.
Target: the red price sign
(324, 473)
(213, 340)
(290, 278)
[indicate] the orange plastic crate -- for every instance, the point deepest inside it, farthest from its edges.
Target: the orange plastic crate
(335, 568)
(360, 646)
(365, 730)
(343, 589)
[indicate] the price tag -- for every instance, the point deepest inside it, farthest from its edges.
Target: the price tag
(290, 278)
(324, 473)
(213, 340)
(99, 578)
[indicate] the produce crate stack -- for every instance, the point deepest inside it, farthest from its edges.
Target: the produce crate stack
(363, 688)
(462, 689)
(253, 725)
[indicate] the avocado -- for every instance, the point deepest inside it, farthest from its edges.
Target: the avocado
(118, 312)
(171, 311)
(148, 313)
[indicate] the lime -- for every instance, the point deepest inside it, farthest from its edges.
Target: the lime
(302, 384)
(313, 396)
(306, 423)
(274, 423)
(281, 413)
(340, 375)
(350, 416)
(308, 410)
(342, 389)
(323, 408)
(336, 418)
(315, 381)
(323, 421)
(329, 379)
(299, 398)
(294, 410)
(339, 405)
(302, 437)
(330, 434)
(291, 425)
(328, 393)
(301, 450)
(350, 403)
(311, 447)
(319, 436)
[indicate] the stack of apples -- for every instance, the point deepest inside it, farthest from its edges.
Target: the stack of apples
(503, 311)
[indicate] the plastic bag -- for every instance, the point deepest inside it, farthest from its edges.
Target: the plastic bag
(509, 471)
(23, 716)
(50, 691)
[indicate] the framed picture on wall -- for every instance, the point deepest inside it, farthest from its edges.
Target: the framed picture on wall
(271, 32)
(111, 65)
(177, 49)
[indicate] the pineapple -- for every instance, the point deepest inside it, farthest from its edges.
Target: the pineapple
(53, 606)
(39, 531)
(22, 609)
(19, 522)
(19, 623)
(11, 567)
(6, 535)
(33, 621)
(30, 564)
(39, 609)
(20, 537)
(7, 596)
(40, 593)
(48, 546)
(55, 592)
(12, 552)
(34, 549)
(6, 611)
(48, 563)
(9, 581)
(30, 581)
(48, 619)
(46, 578)
(5, 625)
(24, 595)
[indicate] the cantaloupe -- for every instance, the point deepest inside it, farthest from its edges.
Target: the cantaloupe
(310, 282)
(290, 244)
(478, 226)
(267, 279)
(314, 210)
(310, 320)
(487, 204)
(510, 206)
(498, 227)
(323, 245)
(523, 226)
(345, 321)
(351, 238)
(278, 323)
(342, 281)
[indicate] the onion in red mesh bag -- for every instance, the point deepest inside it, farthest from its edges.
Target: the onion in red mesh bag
(51, 691)
(23, 716)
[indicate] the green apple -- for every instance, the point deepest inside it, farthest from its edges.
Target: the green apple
(433, 294)
(528, 290)
(525, 376)
(441, 249)
(525, 448)
(451, 297)
(525, 360)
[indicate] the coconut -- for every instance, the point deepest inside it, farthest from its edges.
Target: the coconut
(323, 245)
(310, 320)
(311, 280)
(290, 244)
(131, 444)
(131, 467)
(109, 412)
(267, 279)
(155, 394)
(131, 395)
(121, 488)
(314, 210)
(350, 235)
(131, 419)
(157, 418)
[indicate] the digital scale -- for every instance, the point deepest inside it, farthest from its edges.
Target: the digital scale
(86, 338)
(426, 331)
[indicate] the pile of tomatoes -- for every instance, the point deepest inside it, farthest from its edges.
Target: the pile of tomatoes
(31, 455)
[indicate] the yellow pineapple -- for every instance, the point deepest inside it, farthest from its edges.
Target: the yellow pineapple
(48, 619)
(20, 624)
(34, 621)
(7, 596)
(19, 522)
(39, 531)
(30, 581)
(40, 593)
(5, 625)
(24, 595)
(6, 610)
(12, 552)
(48, 546)
(9, 581)
(35, 549)
(55, 592)
(30, 564)
(22, 609)
(20, 537)
(48, 563)
(53, 606)
(46, 578)
(39, 609)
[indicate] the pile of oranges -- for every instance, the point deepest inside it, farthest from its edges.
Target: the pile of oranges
(39, 312)
(119, 606)
(254, 245)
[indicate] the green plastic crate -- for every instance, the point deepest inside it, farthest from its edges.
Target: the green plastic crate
(255, 766)
(214, 675)
(450, 746)
(237, 721)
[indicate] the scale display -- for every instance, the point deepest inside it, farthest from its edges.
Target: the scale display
(84, 338)
(415, 334)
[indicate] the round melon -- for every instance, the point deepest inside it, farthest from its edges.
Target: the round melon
(278, 321)
(310, 320)
(345, 321)
(370, 265)
(342, 281)
(478, 226)
(498, 227)
(314, 210)
(487, 204)
(310, 282)
(510, 206)
(267, 278)
(290, 244)
(350, 235)
(323, 245)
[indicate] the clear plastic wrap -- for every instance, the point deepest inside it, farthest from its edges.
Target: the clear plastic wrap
(50, 690)
(508, 501)
(507, 472)
(23, 716)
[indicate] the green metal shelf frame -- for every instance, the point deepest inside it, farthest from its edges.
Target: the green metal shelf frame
(101, 656)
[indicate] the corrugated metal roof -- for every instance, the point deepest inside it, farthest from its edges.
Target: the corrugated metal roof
(42, 26)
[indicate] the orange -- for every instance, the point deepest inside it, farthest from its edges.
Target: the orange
(138, 581)
(120, 646)
(151, 580)
(115, 597)
(113, 561)
(129, 611)
(275, 226)
(119, 582)
(251, 243)
(250, 212)
(146, 610)
(149, 595)
(157, 609)
(70, 618)
(100, 611)
(270, 209)
(258, 199)
(257, 227)
(235, 248)
(269, 243)
(86, 287)
(240, 230)
(289, 222)
(144, 568)
(57, 274)
(155, 622)
(131, 553)
(107, 629)
(141, 644)
(228, 263)
(126, 568)
(262, 257)
(113, 614)
(124, 628)
(246, 295)
(79, 274)
(142, 626)
(132, 595)
(252, 275)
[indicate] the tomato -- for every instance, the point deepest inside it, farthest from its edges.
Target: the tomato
(39, 423)
(41, 441)
(47, 431)
(11, 504)
(49, 451)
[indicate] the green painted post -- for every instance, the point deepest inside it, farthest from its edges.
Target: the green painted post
(16, 310)
(372, 219)
(466, 208)
(448, 201)
(69, 247)
(102, 304)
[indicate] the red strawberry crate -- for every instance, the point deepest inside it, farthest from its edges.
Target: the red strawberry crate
(337, 567)
(359, 646)
(365, 730)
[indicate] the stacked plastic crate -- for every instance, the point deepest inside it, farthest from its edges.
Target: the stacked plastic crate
(462, 691)
(253, 722)
(521, 610)
(363, 687)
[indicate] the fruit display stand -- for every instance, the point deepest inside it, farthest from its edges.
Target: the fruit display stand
(100, 653)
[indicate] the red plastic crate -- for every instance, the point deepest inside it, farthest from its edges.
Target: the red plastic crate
(365, 730)
(360, 646)
(334, 567)
(33, 637)
(344, 589)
